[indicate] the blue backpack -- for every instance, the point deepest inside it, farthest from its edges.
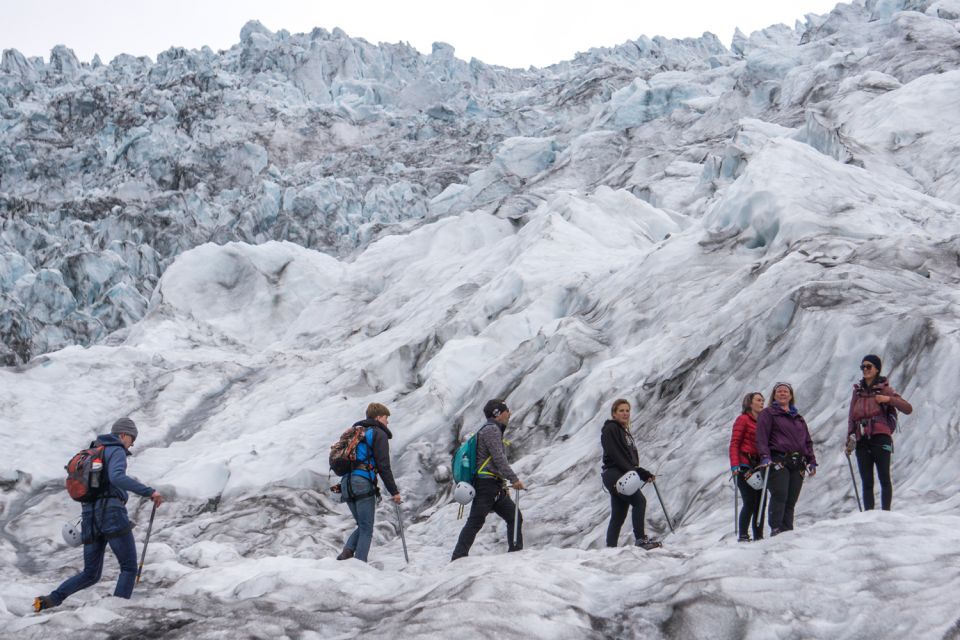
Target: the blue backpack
(465, 461)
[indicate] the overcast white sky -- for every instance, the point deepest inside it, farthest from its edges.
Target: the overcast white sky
(515, 33)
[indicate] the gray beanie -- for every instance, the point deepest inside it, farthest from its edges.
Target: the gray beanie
(124, 425)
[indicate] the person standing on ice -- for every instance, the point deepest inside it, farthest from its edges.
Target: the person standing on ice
(490, 484)
(359, 487)
(743, 458)
(870, 425)
(106, 523)
(622, 474)
(786, 449)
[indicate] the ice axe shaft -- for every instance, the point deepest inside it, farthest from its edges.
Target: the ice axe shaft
(516, 516)
(146, 542)
(662, 506)
(736, 507)
(853, 479)
(403, 539)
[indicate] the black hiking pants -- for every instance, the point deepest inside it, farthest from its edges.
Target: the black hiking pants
(784, 485)
(619, 505)
(875, 451)
(750, 511)
(491, 496)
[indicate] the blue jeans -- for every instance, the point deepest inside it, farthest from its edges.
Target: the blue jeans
(363, 511)
(123, 546)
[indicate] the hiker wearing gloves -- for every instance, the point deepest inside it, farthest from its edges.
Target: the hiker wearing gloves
(105, 521)
(743, 458)
(786, 449)
(491, 482)
(621, 474)
(359, 487)
(871, 422)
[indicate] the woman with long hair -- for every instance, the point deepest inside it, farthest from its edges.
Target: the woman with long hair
(743, 459)
(620, 458)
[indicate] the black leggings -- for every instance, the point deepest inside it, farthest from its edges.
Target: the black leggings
(750, 511)
(619, 505)
(875, 451)
(784, 486)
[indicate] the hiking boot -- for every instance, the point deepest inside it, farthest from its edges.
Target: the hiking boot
(346, 554)
(743, 539)
(42, 602)
(648, 543)
(776, 532)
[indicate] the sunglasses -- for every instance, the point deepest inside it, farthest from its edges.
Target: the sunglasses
(866, 367)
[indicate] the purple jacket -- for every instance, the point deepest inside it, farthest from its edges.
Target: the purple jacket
(778, 430)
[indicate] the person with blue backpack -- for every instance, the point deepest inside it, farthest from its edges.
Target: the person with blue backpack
(104, 520)
(490, 484)
(359, 489)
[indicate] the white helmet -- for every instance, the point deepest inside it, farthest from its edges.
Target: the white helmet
(464, 493)
(71, 533)
(629, 483)
(755, 479)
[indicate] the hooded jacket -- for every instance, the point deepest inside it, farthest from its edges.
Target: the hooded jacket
(619, 452)
(781, 431)
(381, 454)
(874, 418)
(119, 484)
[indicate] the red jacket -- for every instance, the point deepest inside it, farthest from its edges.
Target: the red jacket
(869, 415)
(743, 442)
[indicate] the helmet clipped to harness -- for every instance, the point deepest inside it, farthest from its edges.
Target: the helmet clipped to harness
(754, 479)
(71, 533)
(629, 483)
(463, 493)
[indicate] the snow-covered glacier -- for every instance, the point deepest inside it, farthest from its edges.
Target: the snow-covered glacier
(241, 249)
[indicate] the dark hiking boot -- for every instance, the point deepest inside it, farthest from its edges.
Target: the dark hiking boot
(648, 543)
(346, 554)
(743, 539)
(42, 602)
(776, 532)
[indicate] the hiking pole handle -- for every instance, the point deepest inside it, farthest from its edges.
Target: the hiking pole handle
(663, 506)
(403, 538)
(146, 542)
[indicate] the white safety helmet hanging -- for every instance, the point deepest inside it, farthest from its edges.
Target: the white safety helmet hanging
(755, 479)
(71, 533)
(464, 493)
(629, 483)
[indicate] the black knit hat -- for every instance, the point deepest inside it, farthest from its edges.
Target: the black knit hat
(494, 408)
(872, 359)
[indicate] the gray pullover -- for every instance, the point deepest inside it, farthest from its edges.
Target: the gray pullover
(490, 444)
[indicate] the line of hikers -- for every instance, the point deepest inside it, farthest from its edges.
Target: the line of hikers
(771, 442)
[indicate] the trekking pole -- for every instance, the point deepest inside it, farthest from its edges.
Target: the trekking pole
(146, 542)
(662, 506)
(853, 479)
(402, 537)
(516, 516)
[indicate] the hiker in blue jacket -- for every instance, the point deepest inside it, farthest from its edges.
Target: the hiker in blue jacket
(494, 473)
(359, 487)
(105, 522)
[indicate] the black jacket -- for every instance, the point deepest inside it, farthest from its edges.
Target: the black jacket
(381, 452)
(619, 452)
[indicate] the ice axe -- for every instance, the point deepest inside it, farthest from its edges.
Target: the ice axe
(143, 555)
